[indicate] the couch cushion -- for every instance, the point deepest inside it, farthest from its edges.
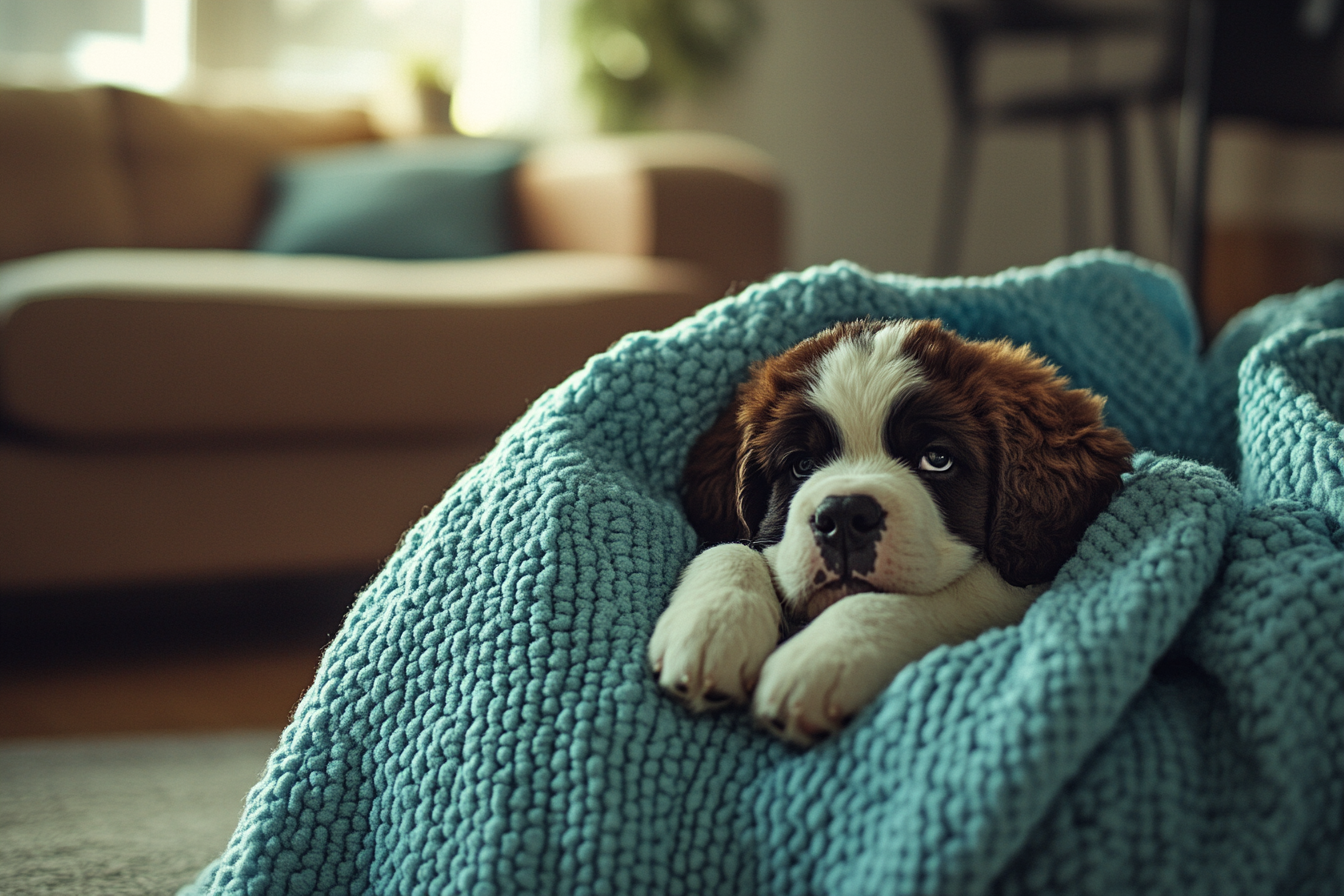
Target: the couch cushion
(198, 174)
(436, 197)
(705, 197)
(61, 185)
(175, 344)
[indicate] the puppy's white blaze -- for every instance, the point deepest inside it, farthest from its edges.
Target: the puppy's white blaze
(856, 383)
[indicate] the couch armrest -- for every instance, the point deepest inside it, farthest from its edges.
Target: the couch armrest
(705, 198)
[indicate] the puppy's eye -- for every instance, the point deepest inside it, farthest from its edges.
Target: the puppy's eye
(935, 461)
(803, 467)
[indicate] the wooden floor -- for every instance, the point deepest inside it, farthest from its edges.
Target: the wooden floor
(216, 657)
(1244, 264)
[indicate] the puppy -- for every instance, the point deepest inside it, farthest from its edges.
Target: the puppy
(873, 492)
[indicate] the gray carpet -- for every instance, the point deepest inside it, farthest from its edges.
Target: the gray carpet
(121, 815)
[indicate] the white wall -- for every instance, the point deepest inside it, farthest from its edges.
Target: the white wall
(847, 96)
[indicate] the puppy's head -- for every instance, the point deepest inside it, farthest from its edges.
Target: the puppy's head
(890, 456)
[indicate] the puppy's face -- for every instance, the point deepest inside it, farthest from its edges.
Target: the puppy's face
(893, 456)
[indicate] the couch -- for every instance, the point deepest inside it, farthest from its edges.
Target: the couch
(177, 405)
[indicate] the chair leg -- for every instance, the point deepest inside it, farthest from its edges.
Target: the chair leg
(1076, 188)
(1165, 141)
(1187, 230)
(1120, 213)
(952, 211)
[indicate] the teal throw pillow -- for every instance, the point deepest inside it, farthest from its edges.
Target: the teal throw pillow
(433, 197)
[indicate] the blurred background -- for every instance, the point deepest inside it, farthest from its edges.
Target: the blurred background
(854, 99)
(188, 580)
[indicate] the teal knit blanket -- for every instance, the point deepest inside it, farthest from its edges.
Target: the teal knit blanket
(1167, 718)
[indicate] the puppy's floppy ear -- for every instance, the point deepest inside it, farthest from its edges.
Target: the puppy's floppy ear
(723, 491)
(1059, 469)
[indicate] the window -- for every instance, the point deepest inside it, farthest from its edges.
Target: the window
(509, 59)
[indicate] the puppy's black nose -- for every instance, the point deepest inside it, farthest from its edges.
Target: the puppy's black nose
(847, 528)
(855, 518)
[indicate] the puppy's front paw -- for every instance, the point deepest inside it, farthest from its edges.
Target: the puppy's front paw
(722, 622)
(708, 654)
(817, 680)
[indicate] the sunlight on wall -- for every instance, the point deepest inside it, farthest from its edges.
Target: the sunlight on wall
(509, 65)
(498, 79)
(157, 60)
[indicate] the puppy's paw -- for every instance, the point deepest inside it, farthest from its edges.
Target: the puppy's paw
(812, 684)
(708, 653)
(708, 646)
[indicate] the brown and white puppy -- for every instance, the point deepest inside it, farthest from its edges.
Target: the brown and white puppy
(880, 489)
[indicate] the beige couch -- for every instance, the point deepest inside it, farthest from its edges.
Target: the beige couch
(175, 406)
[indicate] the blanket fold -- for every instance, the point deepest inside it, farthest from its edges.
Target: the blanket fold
(1166, 718)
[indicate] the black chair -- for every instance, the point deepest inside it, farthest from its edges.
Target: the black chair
(1276, 61)
(965, 30)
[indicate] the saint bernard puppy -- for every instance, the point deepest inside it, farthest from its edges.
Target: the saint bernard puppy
(873, 492)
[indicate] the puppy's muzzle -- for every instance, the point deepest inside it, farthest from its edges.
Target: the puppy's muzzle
(847, 529)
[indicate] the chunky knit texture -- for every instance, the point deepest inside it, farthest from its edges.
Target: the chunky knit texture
(1168, 718)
